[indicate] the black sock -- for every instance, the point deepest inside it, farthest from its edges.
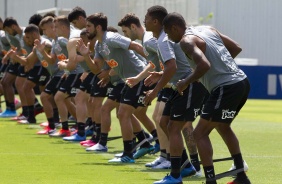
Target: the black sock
(65, 125)
(175, 166)
(94, 126)
(195, 161)
(51, 123)
(155, 136)
(81, 129)
(25, 111)
(12, 106)
(141, 136)
(103, 139)
(163, 153)
(7, 105)
(30, 113)
(88, 122)
(56, 115)
(239, 163)
(98, 132)
(168, 156)
(210, 174)
(127, 148)
(184, 157)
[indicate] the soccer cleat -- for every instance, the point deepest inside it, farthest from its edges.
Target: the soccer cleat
(24, 122)
(156, 162)
(246, 167)
(47, 130)
(198, 174)
(169, 180)
(156, 149)
(60, 133)
(188, 171)
(123, 159)
(143, 151)
(166, 164)
(75, 137)
(89, 132)
(240, 181)
(99, 148)
(89, 144)
(18, 104)
(19, 117)
(38, 110)
(8, 113)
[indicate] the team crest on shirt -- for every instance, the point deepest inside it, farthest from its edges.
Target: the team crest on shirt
(24, 52)
(105, 49)
(152, 65)
(141, 99)
(44, 63)
(228, 114)
(112, 63)
(61, 57)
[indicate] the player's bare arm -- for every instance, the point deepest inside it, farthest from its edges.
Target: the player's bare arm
(137, 47)
(189, 45)
(132, 81)
(72, 55)
(50, 58)
(232, 46)
(94, 65)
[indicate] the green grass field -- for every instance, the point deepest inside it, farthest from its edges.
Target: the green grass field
(29, 158)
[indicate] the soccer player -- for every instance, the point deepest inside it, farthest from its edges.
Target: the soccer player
(179, 109)
(113, 49)
(211, 55)
(77, 17)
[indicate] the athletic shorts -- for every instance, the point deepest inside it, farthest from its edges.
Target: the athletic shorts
(21, 72)
(3, 70)
(39, 75)
(71, 84)
(164, 94)
(53, 85)
(97, 91)
(133, 96)
(114, 92)
(13, 68)
(188, 106)
(86, 85)
(225, 102)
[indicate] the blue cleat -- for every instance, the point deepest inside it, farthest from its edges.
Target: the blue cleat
(75, 137)
(156, 149)
(169, 180)
(143, 151)
(89, 132)
(123, 159)
(8, 113)
(188, 171)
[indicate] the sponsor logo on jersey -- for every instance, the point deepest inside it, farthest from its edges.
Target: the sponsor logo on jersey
(112, 63)
(228, 114)
(61, 57)
(24, 52)
(152, 65)
(44, 63)
(161, 65)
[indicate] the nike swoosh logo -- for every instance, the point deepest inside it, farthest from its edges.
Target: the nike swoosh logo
(177, 115)
(126, 100)
(204, 113)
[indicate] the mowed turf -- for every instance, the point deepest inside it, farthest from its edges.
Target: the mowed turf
(29, 158)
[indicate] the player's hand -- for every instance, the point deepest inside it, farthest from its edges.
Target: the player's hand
(82, 48)
(104, 82)
(103, 74)
(132, 81)
(39, 46)
(181, 86)
(149, 97)
(62, 65)
(153, 78)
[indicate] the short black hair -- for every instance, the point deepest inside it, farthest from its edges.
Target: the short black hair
(157, 12)
(9, 21)
(98, 19)
(174, 19)
(112, 29)
(75, 13)
(129, 19)
(31, 28)
(35, 19)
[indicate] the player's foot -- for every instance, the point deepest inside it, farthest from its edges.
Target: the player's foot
(143, 151)
(75, 137)
(46, 123)
(198, 174)
(240, 181)
(169, 180)
(156, 149)
(24, 122)
(19, 117)
(246, 167)
(47, 130)
(123, 159)
(156, 162)
(188, 171)
(98, 147)
(8, 113)
(38, 110)
(60, 133)
(89, 144)
(89, 132)
(164, 165)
